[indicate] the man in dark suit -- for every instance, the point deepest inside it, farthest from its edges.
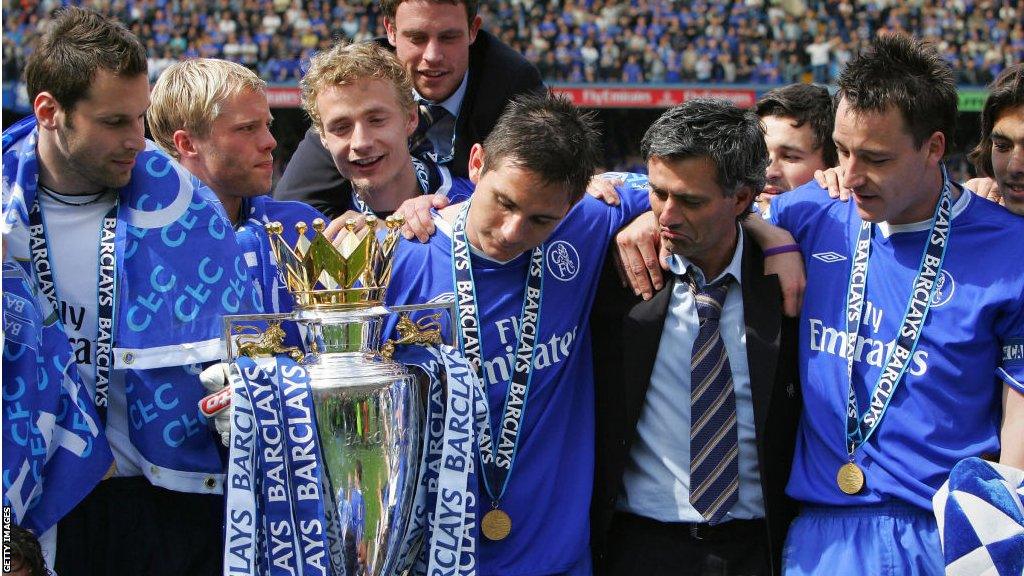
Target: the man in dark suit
(696, 393)
(463, 77)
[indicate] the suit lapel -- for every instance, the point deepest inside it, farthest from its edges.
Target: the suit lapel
(641, 334)
(761, 311)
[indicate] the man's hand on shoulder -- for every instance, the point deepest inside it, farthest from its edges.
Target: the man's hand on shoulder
(604, 189)
(831, 179)
(788, 265)
(987, 188)
(638, 256)
(419, 222)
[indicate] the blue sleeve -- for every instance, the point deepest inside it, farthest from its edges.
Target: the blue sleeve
(634, 198)
(288, 213)
(634, 193)
(307, 213)
(418, 276)
(1011, 368)
(1010, 332)
(797, 210)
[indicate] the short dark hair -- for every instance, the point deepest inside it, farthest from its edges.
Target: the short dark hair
(717, 129)
(803, 104)
(77, 43)
(548, 136)
(390, 7)
(1005, 93)
(910, 75)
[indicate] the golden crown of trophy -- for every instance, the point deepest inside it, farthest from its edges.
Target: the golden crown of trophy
(369, 409)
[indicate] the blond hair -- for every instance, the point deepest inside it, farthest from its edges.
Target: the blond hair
(344, 65)
(188, 96)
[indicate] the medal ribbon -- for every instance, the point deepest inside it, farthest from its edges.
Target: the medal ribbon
(43, 266)
(497, 461)
(860, 428)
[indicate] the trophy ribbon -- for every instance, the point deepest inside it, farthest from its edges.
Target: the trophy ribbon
(305, 465)
(453, 522)
(285, 487)
(240, 550)
(429, 360)
(850, 476)
(454, 515)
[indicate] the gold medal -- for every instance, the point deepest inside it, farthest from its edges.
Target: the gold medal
(850, 478)
(496, 525)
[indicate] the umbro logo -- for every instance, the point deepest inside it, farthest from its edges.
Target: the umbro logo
(829, 257)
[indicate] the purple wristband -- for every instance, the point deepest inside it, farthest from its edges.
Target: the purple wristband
(781, 249)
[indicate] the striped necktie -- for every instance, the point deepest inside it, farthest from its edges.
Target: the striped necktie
(714, 448)
(419, 143)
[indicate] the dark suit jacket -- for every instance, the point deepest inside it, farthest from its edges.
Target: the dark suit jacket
(497, 73)
(626, 332)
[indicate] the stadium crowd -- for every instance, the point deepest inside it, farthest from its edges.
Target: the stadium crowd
(774, 42)
(690, 424)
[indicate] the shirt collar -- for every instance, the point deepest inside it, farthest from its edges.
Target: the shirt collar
(958, 206)
(679, 264)
(454, 102)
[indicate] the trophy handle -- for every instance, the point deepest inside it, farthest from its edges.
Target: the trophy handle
(258, 343)
(427, 332)
(243, 338)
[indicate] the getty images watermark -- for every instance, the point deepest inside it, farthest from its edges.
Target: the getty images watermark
(7, 539)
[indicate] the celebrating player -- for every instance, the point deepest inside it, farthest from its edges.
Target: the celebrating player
(213, 117)
(115, 248)
(927, 340)
(798, 131)
(523, 256)
(999, 155)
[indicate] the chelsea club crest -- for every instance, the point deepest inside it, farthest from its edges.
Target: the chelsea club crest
(944, 288)
(563, 260)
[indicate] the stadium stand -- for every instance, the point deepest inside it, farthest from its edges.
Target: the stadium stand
(585, 41)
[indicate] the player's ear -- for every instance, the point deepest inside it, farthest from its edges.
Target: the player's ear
(936, 144)
(47, 110)
(476, 163)
(184, 144)
(412, 121)
(744, 196)
(474, 28)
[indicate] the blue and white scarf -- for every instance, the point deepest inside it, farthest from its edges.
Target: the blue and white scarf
(179, 270)
(980, 513)
(54, 450)
(255, 241)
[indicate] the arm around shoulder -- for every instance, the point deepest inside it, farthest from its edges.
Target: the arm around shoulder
(1011, 434)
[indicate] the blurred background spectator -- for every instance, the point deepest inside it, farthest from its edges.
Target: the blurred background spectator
(718, 42)
(652, 41)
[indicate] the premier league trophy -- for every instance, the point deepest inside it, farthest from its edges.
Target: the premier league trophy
(338, 501)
